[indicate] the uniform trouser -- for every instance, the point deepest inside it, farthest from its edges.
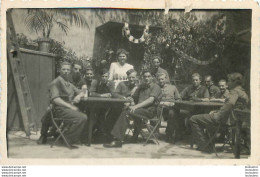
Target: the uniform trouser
(122, 123)
(111, 119)
(173, 122)
(76, 119)
(46, 124)
(198, 124)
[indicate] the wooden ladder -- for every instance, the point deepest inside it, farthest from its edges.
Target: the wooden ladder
(22, 90)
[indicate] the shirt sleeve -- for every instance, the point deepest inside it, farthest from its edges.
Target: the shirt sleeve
(184, 93)
(216, 92)
(111, 71)
(206, 93)
(233, 96)
(54, 91)
(82, 82)
(177, 95)
(75, 89)
(111, 86)
(156, 92)
(93, 86)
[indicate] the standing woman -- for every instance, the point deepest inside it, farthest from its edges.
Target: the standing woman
(117, 71)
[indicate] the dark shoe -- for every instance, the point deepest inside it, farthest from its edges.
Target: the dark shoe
(42, 140)
(113, 144)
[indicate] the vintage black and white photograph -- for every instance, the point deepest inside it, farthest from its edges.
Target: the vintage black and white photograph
(128, 83)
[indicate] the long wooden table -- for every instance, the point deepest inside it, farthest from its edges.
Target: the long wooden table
(92, 104)
(193, 106)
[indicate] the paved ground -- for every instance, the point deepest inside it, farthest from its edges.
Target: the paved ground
(21, 147)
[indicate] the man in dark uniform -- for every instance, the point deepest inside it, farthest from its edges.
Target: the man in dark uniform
(76, 75)
(63, 94)
(90, 81)
(196, 91)
(104, 89)
(169, 94)
(224, 92)
(237, 98)
(156, 69)
(147, 97)
(126, 89)
(213, 90)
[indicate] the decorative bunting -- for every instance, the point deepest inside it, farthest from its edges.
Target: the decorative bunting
(194, 60)
(126, 32)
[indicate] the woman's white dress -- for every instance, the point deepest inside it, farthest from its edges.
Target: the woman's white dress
(117, 72)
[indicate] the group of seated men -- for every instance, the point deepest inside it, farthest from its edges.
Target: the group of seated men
(144, 98)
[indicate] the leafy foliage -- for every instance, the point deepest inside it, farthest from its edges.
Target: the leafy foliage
(199, 39)
(43, 20)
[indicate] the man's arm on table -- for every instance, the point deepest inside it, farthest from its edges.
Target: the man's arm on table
(145, 103)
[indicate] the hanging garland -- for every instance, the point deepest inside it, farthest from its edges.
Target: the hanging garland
(194, 60)
(126, 33)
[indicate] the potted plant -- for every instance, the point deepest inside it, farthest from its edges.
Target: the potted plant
(43, 20)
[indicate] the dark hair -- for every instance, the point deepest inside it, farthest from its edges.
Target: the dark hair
(89, 69)
(237, 78)
(209, 77)
(222, 80)
(145, 71)
(130, 71)
(65, 63)
(160, 74)
(196, 74)
(156, 57)
(104, 71)
(77, 63)
(122, 51)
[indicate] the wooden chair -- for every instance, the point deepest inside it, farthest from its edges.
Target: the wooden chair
(157, 121)
(147, 124)
(61, 127)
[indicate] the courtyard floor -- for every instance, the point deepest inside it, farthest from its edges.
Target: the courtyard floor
(21, 147)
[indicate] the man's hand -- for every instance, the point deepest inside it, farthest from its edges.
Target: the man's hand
(133, 108)
(74, 108)
(77, 98)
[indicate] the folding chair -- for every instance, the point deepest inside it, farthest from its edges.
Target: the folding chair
(157, 120)
(147, 125)
(228, 129)
(61, 127)
(131, 128)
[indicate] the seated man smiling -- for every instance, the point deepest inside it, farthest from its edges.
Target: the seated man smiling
(146, 97)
